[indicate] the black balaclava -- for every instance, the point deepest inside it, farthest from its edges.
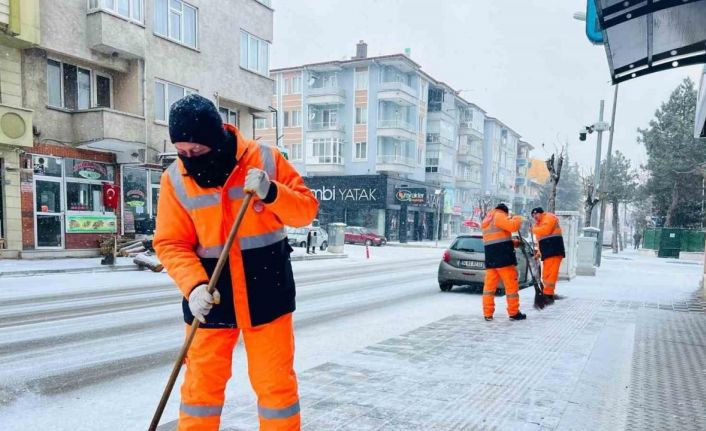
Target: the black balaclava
(195, 119)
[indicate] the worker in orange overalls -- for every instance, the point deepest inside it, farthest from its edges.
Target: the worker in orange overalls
(551, 248)
(501, 262)
(200, 195)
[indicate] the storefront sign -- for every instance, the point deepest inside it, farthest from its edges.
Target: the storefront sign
(135, 198)
(414, 196)
(354, 191)
(89, 170)
(91, 224)
(128, 222)
(345, 194)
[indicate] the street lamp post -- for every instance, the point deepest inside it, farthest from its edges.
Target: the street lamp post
(437, 234)
(604, 183)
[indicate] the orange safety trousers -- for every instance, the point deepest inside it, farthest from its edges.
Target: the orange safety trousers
(270, 352)
(550, 273)
(508, 275)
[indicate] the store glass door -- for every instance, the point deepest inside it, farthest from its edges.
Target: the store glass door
(49, 214)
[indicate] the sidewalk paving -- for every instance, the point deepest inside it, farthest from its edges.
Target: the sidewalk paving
(32, 267)
(625, 351)
(444, 243)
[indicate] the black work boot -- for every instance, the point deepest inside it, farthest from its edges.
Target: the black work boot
(558, 297)
(518, 316)
(550, 299)
(488, 318)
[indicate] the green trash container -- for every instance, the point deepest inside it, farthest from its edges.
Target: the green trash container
(670, 243)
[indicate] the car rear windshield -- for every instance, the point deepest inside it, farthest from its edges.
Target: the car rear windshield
(469, 244)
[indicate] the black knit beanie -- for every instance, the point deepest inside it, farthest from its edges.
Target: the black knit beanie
(196, 119)
(502, 207)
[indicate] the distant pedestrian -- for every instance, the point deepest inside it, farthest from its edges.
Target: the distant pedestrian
(636, 239)
(309, 240)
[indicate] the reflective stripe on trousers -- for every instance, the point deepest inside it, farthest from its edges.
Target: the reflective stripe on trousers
(508, 275)
(283, 413)
(201, 411)
(246, 243)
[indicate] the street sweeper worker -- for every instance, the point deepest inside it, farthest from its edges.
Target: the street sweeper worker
(551, 248)
(200, 195)
(500, 261)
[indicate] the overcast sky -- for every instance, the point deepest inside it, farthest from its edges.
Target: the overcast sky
(527, 63)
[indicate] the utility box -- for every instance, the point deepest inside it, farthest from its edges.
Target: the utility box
(586, 255)
(336, 237)
(670, 243)
(569, 221)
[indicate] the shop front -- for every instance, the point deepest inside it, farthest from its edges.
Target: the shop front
(68, 199)
(140, 194)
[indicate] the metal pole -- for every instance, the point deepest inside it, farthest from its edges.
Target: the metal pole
(604, 183)
(597, 168)
(437, 234)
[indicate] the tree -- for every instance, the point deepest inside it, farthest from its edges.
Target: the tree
(673, 158)
(568, 193)
(590, 194)
(622, 188)
(554, 167)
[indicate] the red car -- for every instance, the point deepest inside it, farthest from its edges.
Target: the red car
(362, 235)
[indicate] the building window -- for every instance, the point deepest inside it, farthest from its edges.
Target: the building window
(297, 152)
(84, 185)
(287, 86)
(361, 115)
(260, 123)
(361, 79)
(228, 116)
(254, 54)
(176, 20)
(130, 9)
(296, 85)
(432, 162)
(361, 150)
(326, 151)
(140, 190)
(165, 95)
(292, 118)
(71, 87)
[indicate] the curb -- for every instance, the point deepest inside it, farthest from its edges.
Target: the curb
(300, 258)
(95, 269)
(392, 244)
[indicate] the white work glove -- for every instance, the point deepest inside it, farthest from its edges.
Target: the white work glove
(257, 181)
(201, 302)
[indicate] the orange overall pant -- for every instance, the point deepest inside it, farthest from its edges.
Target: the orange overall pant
(508, 275)
(270, 351)
(550, 273)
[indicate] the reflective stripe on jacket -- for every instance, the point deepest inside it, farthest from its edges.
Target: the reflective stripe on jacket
(548, 233)
(497, 238)
(257, 285)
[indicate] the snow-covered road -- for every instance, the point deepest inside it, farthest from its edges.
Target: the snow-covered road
(99, 338)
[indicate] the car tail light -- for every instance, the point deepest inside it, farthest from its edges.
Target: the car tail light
(447, 256)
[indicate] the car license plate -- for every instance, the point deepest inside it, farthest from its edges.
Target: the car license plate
(472, 264)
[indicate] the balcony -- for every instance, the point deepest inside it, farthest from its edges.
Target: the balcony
(16, 126)
(399, 93)
(397, 129)
(469, 158)
(520, 181)
(326, 96)
(467, 182)
(109, 34)
(107, 129)
(437, 139)
(327, 164)
(325, 129)
(443, 178)
(465, 128)
(395, 164)
(521, 162)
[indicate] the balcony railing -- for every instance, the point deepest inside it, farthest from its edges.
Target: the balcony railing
(397, 86)
(436, 138)
(326, 91)
(327, 125)
(325, 160)
(396, 124)
(393, 159)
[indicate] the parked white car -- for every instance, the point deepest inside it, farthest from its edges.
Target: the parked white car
(297, 237)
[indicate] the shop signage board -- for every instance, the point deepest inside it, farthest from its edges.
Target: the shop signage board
(91, 223)
(413, 196)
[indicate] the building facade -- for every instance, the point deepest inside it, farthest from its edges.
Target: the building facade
(100, 83)
(382, 116)
(499, 154)
(523, 188)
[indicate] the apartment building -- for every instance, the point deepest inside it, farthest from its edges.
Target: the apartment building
(351, 121)
(499, 154)
(19, 30)
(523, 188)
(100, 83)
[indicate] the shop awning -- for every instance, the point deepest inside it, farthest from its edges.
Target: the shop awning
(647, 36)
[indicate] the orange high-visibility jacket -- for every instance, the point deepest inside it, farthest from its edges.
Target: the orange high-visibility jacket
(497, 238)
(256, 285)
(548, 233)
